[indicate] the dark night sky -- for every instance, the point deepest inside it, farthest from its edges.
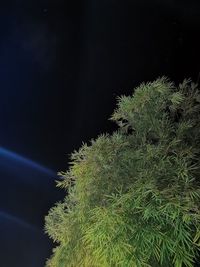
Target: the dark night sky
(62, 65)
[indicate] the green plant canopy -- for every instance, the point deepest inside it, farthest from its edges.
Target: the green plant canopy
(133, 197)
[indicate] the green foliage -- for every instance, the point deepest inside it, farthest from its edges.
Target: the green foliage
(132, 198)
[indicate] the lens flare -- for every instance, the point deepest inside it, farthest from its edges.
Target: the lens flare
(17, 220)
(7, 154)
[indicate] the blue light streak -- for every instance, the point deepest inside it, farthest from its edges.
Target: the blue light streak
(5, 153)
(16, 220)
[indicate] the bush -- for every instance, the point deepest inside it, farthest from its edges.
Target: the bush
(133, 197)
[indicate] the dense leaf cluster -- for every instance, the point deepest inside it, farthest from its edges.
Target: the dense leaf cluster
(133, 197)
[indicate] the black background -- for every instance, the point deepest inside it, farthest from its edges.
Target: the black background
(62, 65)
